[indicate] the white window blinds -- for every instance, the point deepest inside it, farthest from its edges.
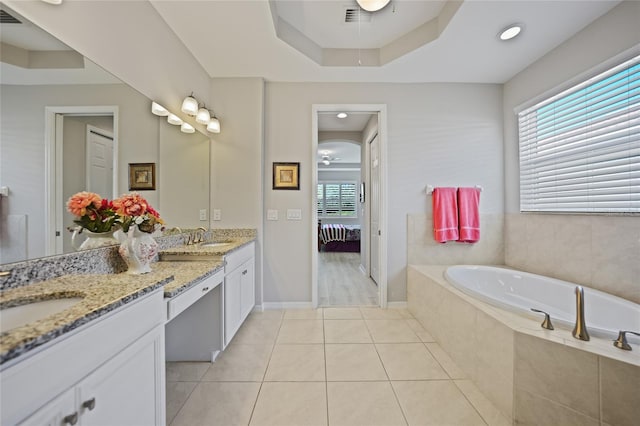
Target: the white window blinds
(337, 199)
(580, 150)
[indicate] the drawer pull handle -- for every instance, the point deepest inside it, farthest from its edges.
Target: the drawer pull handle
(89, 404)
(71, 419)
(244, 272)
(205, 289)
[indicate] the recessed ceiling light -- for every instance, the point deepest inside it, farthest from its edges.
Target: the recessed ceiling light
(510, 32)
(342, 115)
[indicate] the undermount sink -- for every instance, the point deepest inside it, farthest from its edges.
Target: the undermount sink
(215, 244)
(17, 316)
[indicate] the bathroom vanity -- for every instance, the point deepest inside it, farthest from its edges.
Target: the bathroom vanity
(205, 315)
(109, 370)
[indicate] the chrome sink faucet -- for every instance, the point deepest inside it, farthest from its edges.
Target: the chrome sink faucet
(580, 330)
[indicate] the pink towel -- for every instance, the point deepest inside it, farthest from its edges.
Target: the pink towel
(469, 214)
(445, 215)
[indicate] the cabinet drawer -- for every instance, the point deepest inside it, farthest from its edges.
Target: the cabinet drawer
(238, 257)
(181, 302)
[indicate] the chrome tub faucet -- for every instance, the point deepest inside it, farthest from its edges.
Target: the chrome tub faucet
(580, 330)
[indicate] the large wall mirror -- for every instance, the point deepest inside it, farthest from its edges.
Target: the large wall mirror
(67, 125)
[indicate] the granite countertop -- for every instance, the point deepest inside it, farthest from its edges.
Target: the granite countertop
(200, 249)
(187, 273)
(101, 294)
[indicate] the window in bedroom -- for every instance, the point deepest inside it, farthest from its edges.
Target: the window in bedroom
(580, 149)
(337, 199)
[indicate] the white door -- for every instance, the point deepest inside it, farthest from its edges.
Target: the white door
(99, 161)
(374, 209)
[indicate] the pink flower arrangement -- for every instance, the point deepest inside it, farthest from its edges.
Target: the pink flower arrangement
(92, 212)
(133, 209)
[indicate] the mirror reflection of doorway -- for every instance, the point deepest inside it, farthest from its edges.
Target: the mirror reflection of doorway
(342, 209)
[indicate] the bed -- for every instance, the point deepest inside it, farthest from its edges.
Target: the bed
(338, 238)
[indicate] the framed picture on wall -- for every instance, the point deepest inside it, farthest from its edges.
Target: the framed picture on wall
(142, 176)
(286, 176)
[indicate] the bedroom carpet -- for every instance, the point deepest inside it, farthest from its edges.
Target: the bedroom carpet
(341, 283)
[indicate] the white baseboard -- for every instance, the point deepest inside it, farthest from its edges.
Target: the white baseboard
(363, 270)
(397, 305)
(286, 305)
(257, 308)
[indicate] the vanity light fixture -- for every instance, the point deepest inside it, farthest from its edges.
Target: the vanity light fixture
(342, 115)
(203, 116)
(372, 5)
(174, 119)
(187, 128)
(510, 32)
(214, 125)
(158, 109)
(190, 105)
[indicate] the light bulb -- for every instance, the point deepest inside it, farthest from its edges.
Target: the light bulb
(187, 128)
(174, 119)
(190, 105)
(214, 125)
(203, 116)
(372, 5)
(510, 32)
(158, 109)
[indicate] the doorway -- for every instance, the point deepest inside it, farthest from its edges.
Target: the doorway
(344, 195)
(81, 154)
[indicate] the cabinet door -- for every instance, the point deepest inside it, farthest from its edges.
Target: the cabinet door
(247, 288)
(232, 301)
(128, 389)
(59, 412)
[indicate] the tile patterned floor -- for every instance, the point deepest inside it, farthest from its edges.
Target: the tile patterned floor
(331, 366)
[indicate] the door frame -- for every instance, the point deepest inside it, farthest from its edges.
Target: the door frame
(53, 168)
(381, 110)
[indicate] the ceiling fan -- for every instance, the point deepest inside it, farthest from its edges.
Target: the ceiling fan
(327, 159)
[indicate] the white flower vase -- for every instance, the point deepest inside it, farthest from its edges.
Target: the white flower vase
(93, 240)
(138, 250)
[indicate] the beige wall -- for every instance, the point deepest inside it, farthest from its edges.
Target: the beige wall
(596, 250)
(440, 134)
(237, 159)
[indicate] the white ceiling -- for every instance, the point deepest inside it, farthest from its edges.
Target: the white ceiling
(353, 122)
(324, 21)
(339, 152)
(238, 39)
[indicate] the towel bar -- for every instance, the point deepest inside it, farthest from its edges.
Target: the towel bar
(431, 187)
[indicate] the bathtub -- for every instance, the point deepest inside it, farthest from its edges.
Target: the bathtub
(605, 314)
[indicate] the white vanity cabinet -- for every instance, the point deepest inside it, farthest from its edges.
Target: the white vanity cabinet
(109, 372)
(239, 289)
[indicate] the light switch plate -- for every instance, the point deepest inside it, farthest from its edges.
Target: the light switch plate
(203, 214)
(217, 214)
(294, 214)
(272, 214)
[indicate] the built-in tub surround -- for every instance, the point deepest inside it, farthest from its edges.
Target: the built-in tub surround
(518, 291)
(601, 252)
(533, 375)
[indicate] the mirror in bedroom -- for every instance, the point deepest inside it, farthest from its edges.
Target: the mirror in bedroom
(67, 125)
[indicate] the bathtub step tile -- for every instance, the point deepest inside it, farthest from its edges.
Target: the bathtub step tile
(435, 402)
(420, 331)
(391, 331)
(531, 409)
(489, 412)
(445, 361)
(409, 361)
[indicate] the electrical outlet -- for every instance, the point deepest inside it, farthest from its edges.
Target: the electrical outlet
(203, 214)
(217, 214)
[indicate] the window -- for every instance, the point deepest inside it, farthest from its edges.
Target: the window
(337, 199)
(580, 150)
